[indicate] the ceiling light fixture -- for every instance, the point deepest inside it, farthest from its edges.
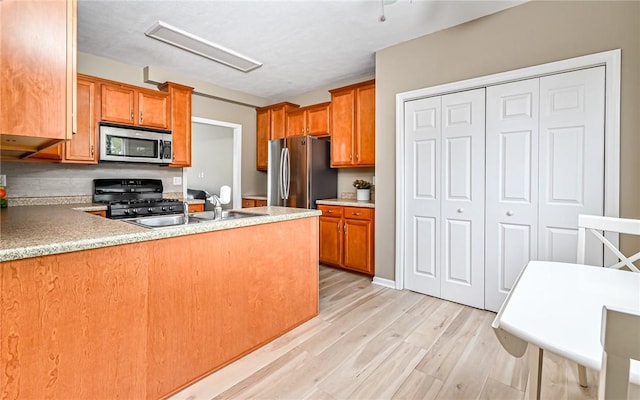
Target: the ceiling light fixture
(196, 45)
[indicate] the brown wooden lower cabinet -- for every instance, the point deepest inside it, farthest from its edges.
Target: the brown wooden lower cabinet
(248, 203)
(102, 213)
(143, 320)
(347, 237)
(196, 208)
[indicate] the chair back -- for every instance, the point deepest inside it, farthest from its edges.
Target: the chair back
(595, 224)
(620, 337)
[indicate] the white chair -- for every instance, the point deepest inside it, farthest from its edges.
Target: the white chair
(595, 224)
(620, 339)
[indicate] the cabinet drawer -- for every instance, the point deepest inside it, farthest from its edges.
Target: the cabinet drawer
(248, 203)
(358, 213)
(196, 207)
(331, 211)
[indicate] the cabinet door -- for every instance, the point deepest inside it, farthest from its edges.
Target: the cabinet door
(330, 231)
(180, 117)
(82, 147)
(358, 235)
(295, 123)
(153, 109)
(37, 68)
(318, 119)
(262, 138)
(365, 141)
(278, 123)
(342, 128)
(118, 104)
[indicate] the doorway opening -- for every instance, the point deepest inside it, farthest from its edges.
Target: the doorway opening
(215, 158)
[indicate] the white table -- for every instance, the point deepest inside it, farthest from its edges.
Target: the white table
(558, 307)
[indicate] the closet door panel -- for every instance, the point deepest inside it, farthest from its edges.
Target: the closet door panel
(571, 161)
(422, 196)
(511, 236)
(463, 181)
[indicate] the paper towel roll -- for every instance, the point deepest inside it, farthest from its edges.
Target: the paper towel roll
(225, 194)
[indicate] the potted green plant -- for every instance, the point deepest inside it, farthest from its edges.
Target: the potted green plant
(363, 189)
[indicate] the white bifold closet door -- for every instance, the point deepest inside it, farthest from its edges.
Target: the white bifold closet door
(444, 181)
(545, 165)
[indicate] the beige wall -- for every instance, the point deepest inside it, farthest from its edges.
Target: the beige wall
(204, 106)
(529, 34)
(253, 181)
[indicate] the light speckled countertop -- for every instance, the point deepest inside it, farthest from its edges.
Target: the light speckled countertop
(255, 196)
(31, 231)
(347, 203)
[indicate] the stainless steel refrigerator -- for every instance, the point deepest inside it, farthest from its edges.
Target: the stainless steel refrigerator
(299, 172)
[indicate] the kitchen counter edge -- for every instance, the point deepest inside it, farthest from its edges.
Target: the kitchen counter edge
(34, 231)
(347, 203)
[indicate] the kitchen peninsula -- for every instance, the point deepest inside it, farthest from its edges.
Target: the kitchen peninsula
(92, 306)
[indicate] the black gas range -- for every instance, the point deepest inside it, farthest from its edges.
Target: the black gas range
(129, 198)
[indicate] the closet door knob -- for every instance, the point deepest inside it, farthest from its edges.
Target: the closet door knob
(509, 213)
(460, 210)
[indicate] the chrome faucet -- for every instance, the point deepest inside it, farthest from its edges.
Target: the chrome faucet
(217, 211)
(186, 212)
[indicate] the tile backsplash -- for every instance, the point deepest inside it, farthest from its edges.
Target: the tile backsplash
(26, 179)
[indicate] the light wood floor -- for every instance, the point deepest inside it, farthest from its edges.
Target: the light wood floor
(371, 342)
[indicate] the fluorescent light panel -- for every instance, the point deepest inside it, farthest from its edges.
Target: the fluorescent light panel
(192, 43)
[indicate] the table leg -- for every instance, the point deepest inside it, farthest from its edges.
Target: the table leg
(535, 372)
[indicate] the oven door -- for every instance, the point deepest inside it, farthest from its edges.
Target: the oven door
(133, 145)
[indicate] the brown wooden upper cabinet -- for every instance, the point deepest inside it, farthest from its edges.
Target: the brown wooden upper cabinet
(353, 126)
(180, 116)
(270, 124)
(37, 76)
(131, 105)
(311, 120)
(82, 148)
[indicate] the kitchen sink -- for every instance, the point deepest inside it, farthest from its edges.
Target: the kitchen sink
(167, 221)
(162, 221)
(226, 215)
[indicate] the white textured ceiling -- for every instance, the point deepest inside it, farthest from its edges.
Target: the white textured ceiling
(303, 45)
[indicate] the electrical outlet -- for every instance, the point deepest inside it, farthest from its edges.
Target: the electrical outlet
(3, 180)
(177, 180)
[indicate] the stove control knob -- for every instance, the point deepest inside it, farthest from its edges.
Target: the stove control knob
(164, 208)
(134, 210)
(171, 208)
(126, 212)
(149, 209)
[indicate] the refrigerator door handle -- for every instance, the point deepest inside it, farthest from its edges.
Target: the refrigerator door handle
(287, 174)
(281, 173)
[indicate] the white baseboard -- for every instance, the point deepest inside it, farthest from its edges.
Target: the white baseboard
(384, 282)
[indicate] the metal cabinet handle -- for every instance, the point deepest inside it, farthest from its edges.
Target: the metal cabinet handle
(131, 115)
(509, 213)
(338, 226)
(92, 150)
(141, 117)
(355, 213)
(345, 228)
(329, 211)
(460, 210)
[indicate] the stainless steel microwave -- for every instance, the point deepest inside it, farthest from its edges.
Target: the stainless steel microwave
(131, 144)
